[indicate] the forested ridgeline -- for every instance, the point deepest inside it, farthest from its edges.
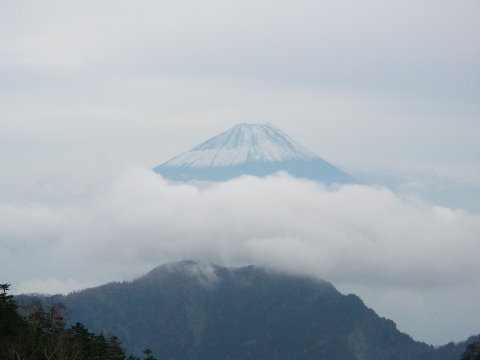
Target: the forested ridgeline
(35, 333)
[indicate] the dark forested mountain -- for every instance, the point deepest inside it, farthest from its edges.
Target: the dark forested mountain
(188, 310)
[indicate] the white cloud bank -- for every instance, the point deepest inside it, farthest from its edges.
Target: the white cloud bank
(406, 258)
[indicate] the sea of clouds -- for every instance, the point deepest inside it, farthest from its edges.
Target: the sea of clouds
(403, 256)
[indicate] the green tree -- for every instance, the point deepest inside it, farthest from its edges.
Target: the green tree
(472, 352)
(148, 355)
(10, 320)
(12, 325)
(114, 349)
(41, 335)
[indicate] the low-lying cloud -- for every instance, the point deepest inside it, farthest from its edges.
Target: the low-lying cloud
(358, 237)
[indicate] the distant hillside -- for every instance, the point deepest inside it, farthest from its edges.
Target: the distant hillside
(188, 310)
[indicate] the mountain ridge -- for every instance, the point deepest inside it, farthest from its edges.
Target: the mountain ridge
(191, 310)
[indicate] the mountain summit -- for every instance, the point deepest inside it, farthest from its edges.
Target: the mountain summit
(250, 149)
(243, 143)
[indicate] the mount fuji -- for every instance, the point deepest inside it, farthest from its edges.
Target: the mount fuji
(250, 149)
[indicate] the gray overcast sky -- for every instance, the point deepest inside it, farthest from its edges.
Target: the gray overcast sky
(387, 90)
(378, 87)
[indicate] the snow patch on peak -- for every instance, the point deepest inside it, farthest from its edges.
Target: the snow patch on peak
(241, 144)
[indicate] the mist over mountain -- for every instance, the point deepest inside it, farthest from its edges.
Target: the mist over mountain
(250, 149)
(190, 310)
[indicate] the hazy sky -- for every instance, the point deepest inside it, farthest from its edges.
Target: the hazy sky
(388, 91)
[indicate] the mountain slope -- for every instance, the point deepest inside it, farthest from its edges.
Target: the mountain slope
(188, 310)
(250, 149)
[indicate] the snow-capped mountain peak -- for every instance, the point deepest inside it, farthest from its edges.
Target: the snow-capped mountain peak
(250, 149)
(240, 144)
